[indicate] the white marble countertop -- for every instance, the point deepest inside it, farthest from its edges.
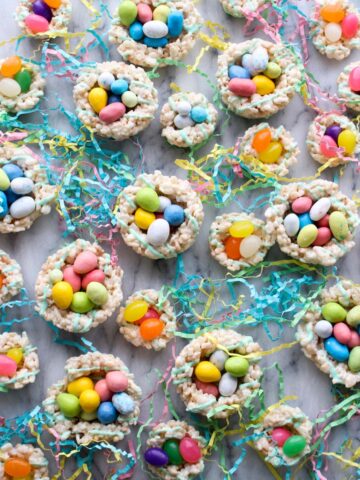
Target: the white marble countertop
(32, 247)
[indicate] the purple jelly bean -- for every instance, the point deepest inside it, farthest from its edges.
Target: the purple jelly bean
(40, 8)
(333, 132)
(156, 457)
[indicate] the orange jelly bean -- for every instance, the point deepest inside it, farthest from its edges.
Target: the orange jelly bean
(53, 3)
(17, 467)
(232, 248)
(2, 280)
(11, 66)
(332, 13)
(151, 328)
(261, 140)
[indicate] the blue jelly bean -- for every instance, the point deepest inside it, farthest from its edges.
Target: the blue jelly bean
(175, 23)
(174, 215)
(198, 114)
(123, 403)
(155, 42)
(3, 205)
(11, 196)
(136, 31)
(235, 71)
(119, 86)
(336, 350)
(106, 413)
(13, 171)
(113, 99)
(304, 219)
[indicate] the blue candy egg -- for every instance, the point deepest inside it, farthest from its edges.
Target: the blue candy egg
(155, 42)
(198, 114)
(175, 23)
(123, 403)
(136, 31)
(13, 171)
(304, 219)
(3, 205)
(336, 350)
(235, 71)
(113, 99)
(119, 86)
(174, 215)
(107, 413)
(11, 196)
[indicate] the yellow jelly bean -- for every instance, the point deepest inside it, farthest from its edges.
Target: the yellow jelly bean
(76, 387)
(272, 153)
(264, 85)
(135, 310)
(62, 294)
(144, 219)
(347, 140)
(98, 98)
(161, 13)
(89, 401)
(16, 354)
(241, 229)
(207, 372)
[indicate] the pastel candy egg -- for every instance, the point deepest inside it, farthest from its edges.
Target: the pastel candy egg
(3, 205)
(237, 366)
(112, 113)
(148, 199)
(135, 310)
(338, 225)
(353, 316)
(273, 70)
(22, 185)
(175, 23)
(336, 350)
(228, 385)
(182, 121)
(347, 140)
(97, 293)
(89, 401)
(324, 221)
(68, 404)
(304, 220)
(242, 87)
(8, 366)
(72, 277)
(246, 62)
(103, 390)
(62, 294)
(40, 8)
(174, 215)
(328, 146)
(272, 153)
(17, 468)
(76, 387)
(354, 360)
(332, 12)
(88, 417)
(236, 71)
(127, 12)
(85, 262)
(350, 25)
(183, 108)
(93, 276)
(123, 403)
(218, 358)
(116, 381)
(261, 140)
(241, 229)
(354, 79)
(208, 388)
(206, 372)
(4, 180)
(333, 131)
(105, 80)
(279, 435)
(156, 457)
(294, 445)
(129, 99)
(36, 23)
(155, 29)
(81, 303)
(119, 86)
(291, 224)
(307, 236)
(144, 13)
(151, 328)
(107, 413)
(320, 208)
(323, 329)
(158, 232)
(199, 114)
(143, 219)
(164, 203)
(9, 88)
(250, 246)
(97, 98)
(342, 333)
(301, 205)
(232, 247)
(190, 450)
(113, 99)
(260, 60)
(354, 339)
(323, 237)
(333, 312)
(171, 448)
(333, 32)
(13, 171)
(15, 354)
(22, 207)
(156, 42)
(161, 13)
(136, 31)
(264, 85)
(10, 66)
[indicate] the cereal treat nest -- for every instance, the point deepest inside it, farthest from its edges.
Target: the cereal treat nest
(176, 117)
(256, 105)
(58, 24)
(28, 366)
(67, 319)
(174, 188)
(11, 278)
(42, 193)
(97, 365)
(319, 255)
(196, 400)
(347, 294)
(219, 231)
(291, 418)
(176, 49)
(350, 97)
(238, 8)
(317, 133)
(131, 331)
(34, 456)
(134, 120)
(281, 165)
(174, 429)
(334, 44)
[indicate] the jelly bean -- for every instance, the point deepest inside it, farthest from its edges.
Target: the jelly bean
(291, 224)
(89, 401)
(350, 26)
(279, 435)
(4, 180)
(40, 8)
(353, 316)
(181, 121)
(129, 99)
(333, 312)
(323, 329)
(354, 360)
(56, 276)
(143, 219)
(53, 3)
(155, 29)
(324, 221)
(127, 12)
(354, 79)
(208, 388)
(158, 232)
(135, 310)
(148, 199)
(123, 403)
(103, 390)
(218, 358)
(175, 23)
(336, 350)
(294, 445)
(136, 31)
(17, 467)
(156, 457)
(320, 208)
(328, 146)
(22, 185)
(190, 450)
(97, 293)
(272, 153)
(15, 354)
(206, 372)
(236, 71)
(301, 205)
(183, 108)
(354, 339)
(76, 387)
(93, 276)
(250, 246)
(112, 113)
(304, 220)
(144, 13)
(8, 366)
(116, 381)
(107, 413)
(199, 114)
(161, 13)
(151, 313)
(342, 333)
(105, 80)
(22, 207)
(11, 66)
(232, 248)
(70, 276)
(85, 262)
(261, 140)
(68, 404)
(333, 131)
(338, 225)
(97, 98)
(273, 70)
(2, 280)
(164, 202)
(172, 450)
(156, 42)
(151, 328)
(323, 237)
(332, 12)
(36, 23)
(347, 140)
(228, 385)
(174, 215)
(332, 32)
(237, 366)
(264, 85)
(241, 229)
(9, 88)
(307, 236)
(13, 171)
(3, 205)
(242, 87)
(81, 303)
(62, 294)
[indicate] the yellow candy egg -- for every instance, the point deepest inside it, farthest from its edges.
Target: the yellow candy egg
(62, 294)
(89, 401)
(207, 372)
(16, 354)
(143, 219)
(79, 385)
(241, 229)
(264, 85)
(98, 98)
(272, 153)
(347, 140)
(135, 310)
(161, 13)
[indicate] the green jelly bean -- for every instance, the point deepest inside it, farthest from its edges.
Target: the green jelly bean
(171, 448)
(81, 303)
(69, 404)
(307, 236)
(97, 293)
(333, 312)
(127, 12)
(237, 366)
(4, 180)
(338, 225)
(24, 79)
(294, 446)
(353, 316)
(273, 70)
(354, 360)
(147, 199)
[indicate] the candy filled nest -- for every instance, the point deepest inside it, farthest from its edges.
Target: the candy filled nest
(239, 8)
(19, 362)
(43, 18)
(97, 400)
(217, 372)
(314, 222)
(257, 78)
(188, 119)
(11, 279)
(115, 100)
(238, 240)
(329, 333)
(22, 462)
(147, 320)
(174, 451)
(149, 31)
(159, 216)
(349, 86)
(78, 287)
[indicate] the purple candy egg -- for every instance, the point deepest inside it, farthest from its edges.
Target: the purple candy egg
(333, 132)
(156, 457)
(40, 8)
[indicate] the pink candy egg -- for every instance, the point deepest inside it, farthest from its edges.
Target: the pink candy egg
(116, 381)
(113, 112)
(280, 435)
(72, 277)
(324, 221)
(207, 388)
(8, 366)
(354, 340)
(354, 79)
(85, 262)
(323, 236)
(242, 87)
(190, 450)
(328, 146)
(36, 23)
(350, 25)
(102, 389)
(342, 333)
(94, 276)
(301, 205)
(144, 13)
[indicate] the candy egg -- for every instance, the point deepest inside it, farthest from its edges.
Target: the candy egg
(76, 387)
(144, 13)
(107, 413)
(105, 80)
(301, 204)
(3, 205)
(53, 3)
(291, 224)
(22, 185)
(206, 372)
(273, 70)
(164, 202)
(247, 63)
(320, 208)
(62, 294)
(175, 22)
(72, 277)
(261, 140)
(198, 114)
(304, 220)
(97, 293)
(279, 435)
(250, 246)
(272, 153)
(232, 248)
(347, 140)
(156, 42)
(350, 25)
(208, 388)
(147, 199)
(85, 262)
(89, 401)
(4, 180)
(9, 88)
(323, 237)
(143, 219)
(135, 310)
(342, 333)
(13, 171)
(181, 121)
(242, 87)
(116, 381)
(88, 417)
(333, 312)
(127, 12)
(260, 60)
(354, 360)
(236, 71)
(151, 328)
(323, 329)
(156, 457)
(123, 403)
(307, 236)
(354, 79)
(332, 32)
(328, 146)
(103, 390)
(190, 450)
(158, 232)
(294, 445)
(228, 385)
(10, 66)
(332, 12)
(22, 207)
(98, 98)
(354, 339)
(237, 366)
(36, 23)
(218, 358)
(81, 303)
(119, 86)
(264, 85)
(338, 225)
(161, 13)
(8, 366)
(333, 131)
(171, 448)
(56, 276)
(40, 8)
(324, 221)
(353, 316)
(68, 404)
(241, 229)
(129, 99)
(17, 468)
(183, 108)
(174, 215)
(336, 350)
(155, 29)
(15, 354)
(136, 31)
(93, 276)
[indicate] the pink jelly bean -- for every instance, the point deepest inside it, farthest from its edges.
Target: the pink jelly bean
(354, 340)
(116, 381)
(190, 450)
(354, 79)
(301, 205)
(324, 221)
(8, 366)
(280, 435)
(323, 236)
(207, 388)
(151, 313)
(342, 333)
(36, 23)
(242, 87)
(112, 113)
(328, 147)
(94, 276)
(102, 389)
(72, 277)
(85, 262)
(144, 13)
(350, 25)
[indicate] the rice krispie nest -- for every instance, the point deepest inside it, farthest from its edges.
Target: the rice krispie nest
(29, 366)
(197, 401)
(219, 231)
(26, 100)
(174, 429)
(43, 193)
(96, 364)
(292, 418)
(148, 57)
(287, 159)
(191, 135)
(57, 26)
(316, 132)
(239, 8)
(26, 452)
(177, 190)
(161, 304)
(347, 294)
(66, 319)
(335, 50)
(259, 106)
(134, 120)
(13, 279)
(346, 95)
(280, 205)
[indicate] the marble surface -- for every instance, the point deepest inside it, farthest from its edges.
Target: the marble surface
(31, 248)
